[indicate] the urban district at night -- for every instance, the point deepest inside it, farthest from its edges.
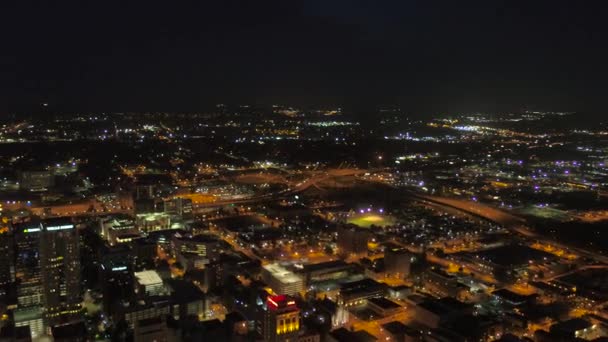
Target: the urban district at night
(347, 189)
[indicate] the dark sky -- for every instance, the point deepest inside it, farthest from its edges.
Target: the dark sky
(427, 56)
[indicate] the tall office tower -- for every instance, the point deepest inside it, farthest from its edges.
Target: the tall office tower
(7, 261)
(352, 239)
(116, 283)
(60, 271)
(27, 264)
(281, 319)
(28, 277)
(398, 261)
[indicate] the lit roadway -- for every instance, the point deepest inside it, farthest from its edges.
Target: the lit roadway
(507, 220)
(314, 180)
(374, 326)
(235, 245)
(81, 208)
(578, 269)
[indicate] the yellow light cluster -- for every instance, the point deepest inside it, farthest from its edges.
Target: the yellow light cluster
(287, 328)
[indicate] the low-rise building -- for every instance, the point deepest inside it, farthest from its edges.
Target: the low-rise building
(282, 280)
(149, 283)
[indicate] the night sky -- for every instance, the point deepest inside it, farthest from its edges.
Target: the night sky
(427, 56)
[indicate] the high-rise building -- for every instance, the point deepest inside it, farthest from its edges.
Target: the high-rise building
(28, 278)
(47, 273)
(7, 258)
(213, 276)
(280, 320)
(352, 239)
(117, 283)
(398, 261)
(60, 271)
(27, 264)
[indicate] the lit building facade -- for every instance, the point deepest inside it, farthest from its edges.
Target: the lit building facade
(7, 256)
(60, 271)
(27, 264)
(282, 280)
(281, 319)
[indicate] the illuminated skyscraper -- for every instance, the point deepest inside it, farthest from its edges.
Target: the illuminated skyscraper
(28, 277)
(60, 271)
(7, 256)
(281, 319)
(47, 269)
(27, 264)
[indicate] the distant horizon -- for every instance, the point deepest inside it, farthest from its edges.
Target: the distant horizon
(357, 111)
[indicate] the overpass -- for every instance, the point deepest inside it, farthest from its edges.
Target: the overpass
(514, 223)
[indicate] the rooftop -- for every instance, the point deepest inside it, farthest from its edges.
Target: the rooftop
(571, 325)
(510, 296)
(513, 255)
(149, 277)
(397, 328)
(344, 335)
(384, 303)
(284, 275)
(444, 306)
(325, 265)
(366, 284)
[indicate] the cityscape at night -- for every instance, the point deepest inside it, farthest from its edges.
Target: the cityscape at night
(224, 172)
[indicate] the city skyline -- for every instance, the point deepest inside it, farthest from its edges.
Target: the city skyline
(315, 171)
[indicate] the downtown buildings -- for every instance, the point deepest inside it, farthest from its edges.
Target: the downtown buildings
(47, 273)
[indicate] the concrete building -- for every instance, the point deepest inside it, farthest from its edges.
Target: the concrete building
(118, 229)
(330, 270)
(31, 317)
(358, 292)
(150, 222)
(149, 283)
(281, 280)
(442, 284)
(195, 251)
